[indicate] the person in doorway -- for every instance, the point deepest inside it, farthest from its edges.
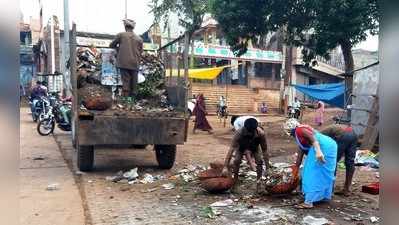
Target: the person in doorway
(263, 107)
(129, 49)
(296, 105)
(200, 115)
(249, 138)
(347, 143)
(318, 173)
(319, 118)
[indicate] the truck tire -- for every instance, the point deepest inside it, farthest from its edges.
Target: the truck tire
(85, 158)
(166, 155)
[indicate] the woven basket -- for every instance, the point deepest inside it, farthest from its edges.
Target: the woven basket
(288, 187)
(218, 184)
(212, 181)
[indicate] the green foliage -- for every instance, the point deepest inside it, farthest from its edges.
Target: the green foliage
(189, 12)
(318, 25)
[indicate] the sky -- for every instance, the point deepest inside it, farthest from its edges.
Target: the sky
(105, 16)
(100, 16)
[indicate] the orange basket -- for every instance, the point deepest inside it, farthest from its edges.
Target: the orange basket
(285, 188)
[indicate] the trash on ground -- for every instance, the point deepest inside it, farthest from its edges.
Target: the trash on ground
(131, 174)
(168, 186)
(38, 158)
(367, 158)
(282, 178)
(223, 203)
(310, 220)
(373, 188)
(266, 215)
(150, 190)
(148, 178)
(52, 187)
(374, 219)
(209, 212)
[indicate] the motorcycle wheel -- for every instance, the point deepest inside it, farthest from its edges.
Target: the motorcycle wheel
(34, 118)
(45, 127)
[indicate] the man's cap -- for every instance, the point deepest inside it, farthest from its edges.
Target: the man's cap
(129, 22)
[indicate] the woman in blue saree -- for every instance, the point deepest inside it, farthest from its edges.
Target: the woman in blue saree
(318, 172)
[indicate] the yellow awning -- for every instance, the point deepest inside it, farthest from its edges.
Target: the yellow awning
(203, 73)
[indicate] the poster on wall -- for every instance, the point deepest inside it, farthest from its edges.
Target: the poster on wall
(109, 73)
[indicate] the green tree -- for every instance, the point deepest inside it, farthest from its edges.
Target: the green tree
(317, 25)
(190, 14)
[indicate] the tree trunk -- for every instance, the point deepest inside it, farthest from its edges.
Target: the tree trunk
(349, 67)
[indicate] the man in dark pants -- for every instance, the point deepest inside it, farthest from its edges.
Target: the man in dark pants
(248, 138)
(129, 47)
(347, 143)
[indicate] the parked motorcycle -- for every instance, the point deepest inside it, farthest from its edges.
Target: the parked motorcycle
(56, 115)
(293, 112)
(222, 112)
(39, 107)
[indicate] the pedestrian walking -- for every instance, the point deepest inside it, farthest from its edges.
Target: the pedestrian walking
(200, 113)
(319, 118)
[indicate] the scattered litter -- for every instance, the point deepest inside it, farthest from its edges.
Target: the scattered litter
(209, 212)
(251, 174)
(357, 217)
(367, 158)
(310, 220)
(265, 215)
(341, 165)
(374, 219)
(150, 190)
(133, 181)
(168, 186)
(38, 158)
(187, 177)
(52, 187)
(79, 173)
(89, 181)
(223, 203)
(178, 197)
(148, 178)
(116, 178)
(131, 174)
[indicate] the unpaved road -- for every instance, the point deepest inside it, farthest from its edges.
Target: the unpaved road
(119, 203)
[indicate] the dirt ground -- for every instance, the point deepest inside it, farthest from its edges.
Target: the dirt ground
(106, 202)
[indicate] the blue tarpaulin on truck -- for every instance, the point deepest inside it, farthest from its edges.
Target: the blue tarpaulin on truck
(332, 94)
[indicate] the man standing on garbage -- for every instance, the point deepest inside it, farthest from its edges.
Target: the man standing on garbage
(129, 47)
(250, 137)
(347, 143)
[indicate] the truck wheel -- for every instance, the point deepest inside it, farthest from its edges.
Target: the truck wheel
(85, 158)
(166, 155)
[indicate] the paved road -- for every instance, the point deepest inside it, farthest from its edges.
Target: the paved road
(41, 164)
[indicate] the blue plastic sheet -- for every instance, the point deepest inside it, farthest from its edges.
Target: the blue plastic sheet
(332, 94)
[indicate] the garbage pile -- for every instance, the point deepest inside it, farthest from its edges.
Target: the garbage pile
(282, 178)
(98, 92)
(92, 94)
(132, 177)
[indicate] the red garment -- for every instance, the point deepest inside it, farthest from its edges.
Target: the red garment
(348, 129)
(200, 115)
(299, 132)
